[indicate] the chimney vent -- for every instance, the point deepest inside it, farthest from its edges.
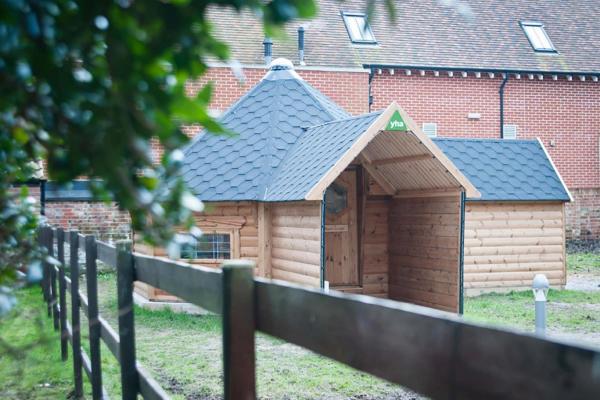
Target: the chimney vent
(268, 46)
(281, 64)
(301, 45)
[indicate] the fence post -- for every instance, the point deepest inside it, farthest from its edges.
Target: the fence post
(46, 269)
(62, 295)
(91, 274)
(238, 330)
(41, 237)
(75, 320)
(53, 290)
(125, 278)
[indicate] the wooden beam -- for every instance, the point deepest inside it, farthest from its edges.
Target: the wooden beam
(451, 358)
(398, 160)
(264, 240)
(403, 194)
(378, 176)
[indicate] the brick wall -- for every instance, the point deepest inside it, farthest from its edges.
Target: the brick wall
(583, 215)
(105, 221)
(348, 89)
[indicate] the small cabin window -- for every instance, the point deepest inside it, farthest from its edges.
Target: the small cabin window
(336, 199)
(358, 28)
(537, 36)
(209, 246)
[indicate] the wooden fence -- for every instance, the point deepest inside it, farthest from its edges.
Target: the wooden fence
(434, 353)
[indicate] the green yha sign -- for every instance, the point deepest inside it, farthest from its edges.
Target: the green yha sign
(396, 123)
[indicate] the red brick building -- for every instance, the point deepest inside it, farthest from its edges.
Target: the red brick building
(461, 68)
(489, 69)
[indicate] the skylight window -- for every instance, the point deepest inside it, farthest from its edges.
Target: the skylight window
(537, 36)
(358, 28)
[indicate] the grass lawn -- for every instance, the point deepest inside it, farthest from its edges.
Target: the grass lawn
(567, 310)
(183, 352)
(35, 370)
(572, 314)
(587, 262)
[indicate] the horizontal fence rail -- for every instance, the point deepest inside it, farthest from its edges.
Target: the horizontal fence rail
(432, 352)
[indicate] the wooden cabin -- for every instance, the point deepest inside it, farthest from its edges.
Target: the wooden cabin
(365, 204)
(516, 228)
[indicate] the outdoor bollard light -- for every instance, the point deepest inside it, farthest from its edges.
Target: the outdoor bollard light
(540, 292)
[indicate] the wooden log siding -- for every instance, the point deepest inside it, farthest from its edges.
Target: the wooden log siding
(506, 244)
(296, 242)
(239, 217)
(375, 257)
(424, 251)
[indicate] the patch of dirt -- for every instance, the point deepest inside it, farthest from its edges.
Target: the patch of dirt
(583, 281)
(580, 338)
(592, 307)
(173, 385)
(400, 395)
(202, 396)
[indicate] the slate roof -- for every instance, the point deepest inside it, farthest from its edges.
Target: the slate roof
(268, 121)
(468, 34)
(316, 152)
(507, 170)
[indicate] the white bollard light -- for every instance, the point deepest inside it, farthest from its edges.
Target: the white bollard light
(540, 292)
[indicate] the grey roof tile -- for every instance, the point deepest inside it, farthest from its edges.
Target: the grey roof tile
(314, 154)
(506, 170)
(482, 34)
(267, 121)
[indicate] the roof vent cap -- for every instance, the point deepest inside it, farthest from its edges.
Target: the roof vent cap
(280, 64)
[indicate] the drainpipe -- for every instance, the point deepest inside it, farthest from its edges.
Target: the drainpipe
(461, 267)
(268, 50)
(301, 45)
(43, 197)
(371, 76)
(322, 280)
(501, 93)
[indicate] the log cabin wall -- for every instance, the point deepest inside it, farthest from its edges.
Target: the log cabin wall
(424, 251)
(296, 242)
(238, 218)
(506, 244)
(375, 238)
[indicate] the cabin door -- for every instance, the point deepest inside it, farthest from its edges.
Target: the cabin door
(341, 244)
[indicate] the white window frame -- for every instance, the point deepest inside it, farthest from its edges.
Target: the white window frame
(427, 126)
(232, 250)
(349, 22)
(537, 36)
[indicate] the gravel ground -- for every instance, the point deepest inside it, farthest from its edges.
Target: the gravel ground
(583, 281)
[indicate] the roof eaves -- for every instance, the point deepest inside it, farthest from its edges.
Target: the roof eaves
(566, 189)
(471, 69)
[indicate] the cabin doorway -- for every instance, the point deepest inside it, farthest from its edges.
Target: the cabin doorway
(341, 231)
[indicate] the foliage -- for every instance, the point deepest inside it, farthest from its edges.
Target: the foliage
(87, 86)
